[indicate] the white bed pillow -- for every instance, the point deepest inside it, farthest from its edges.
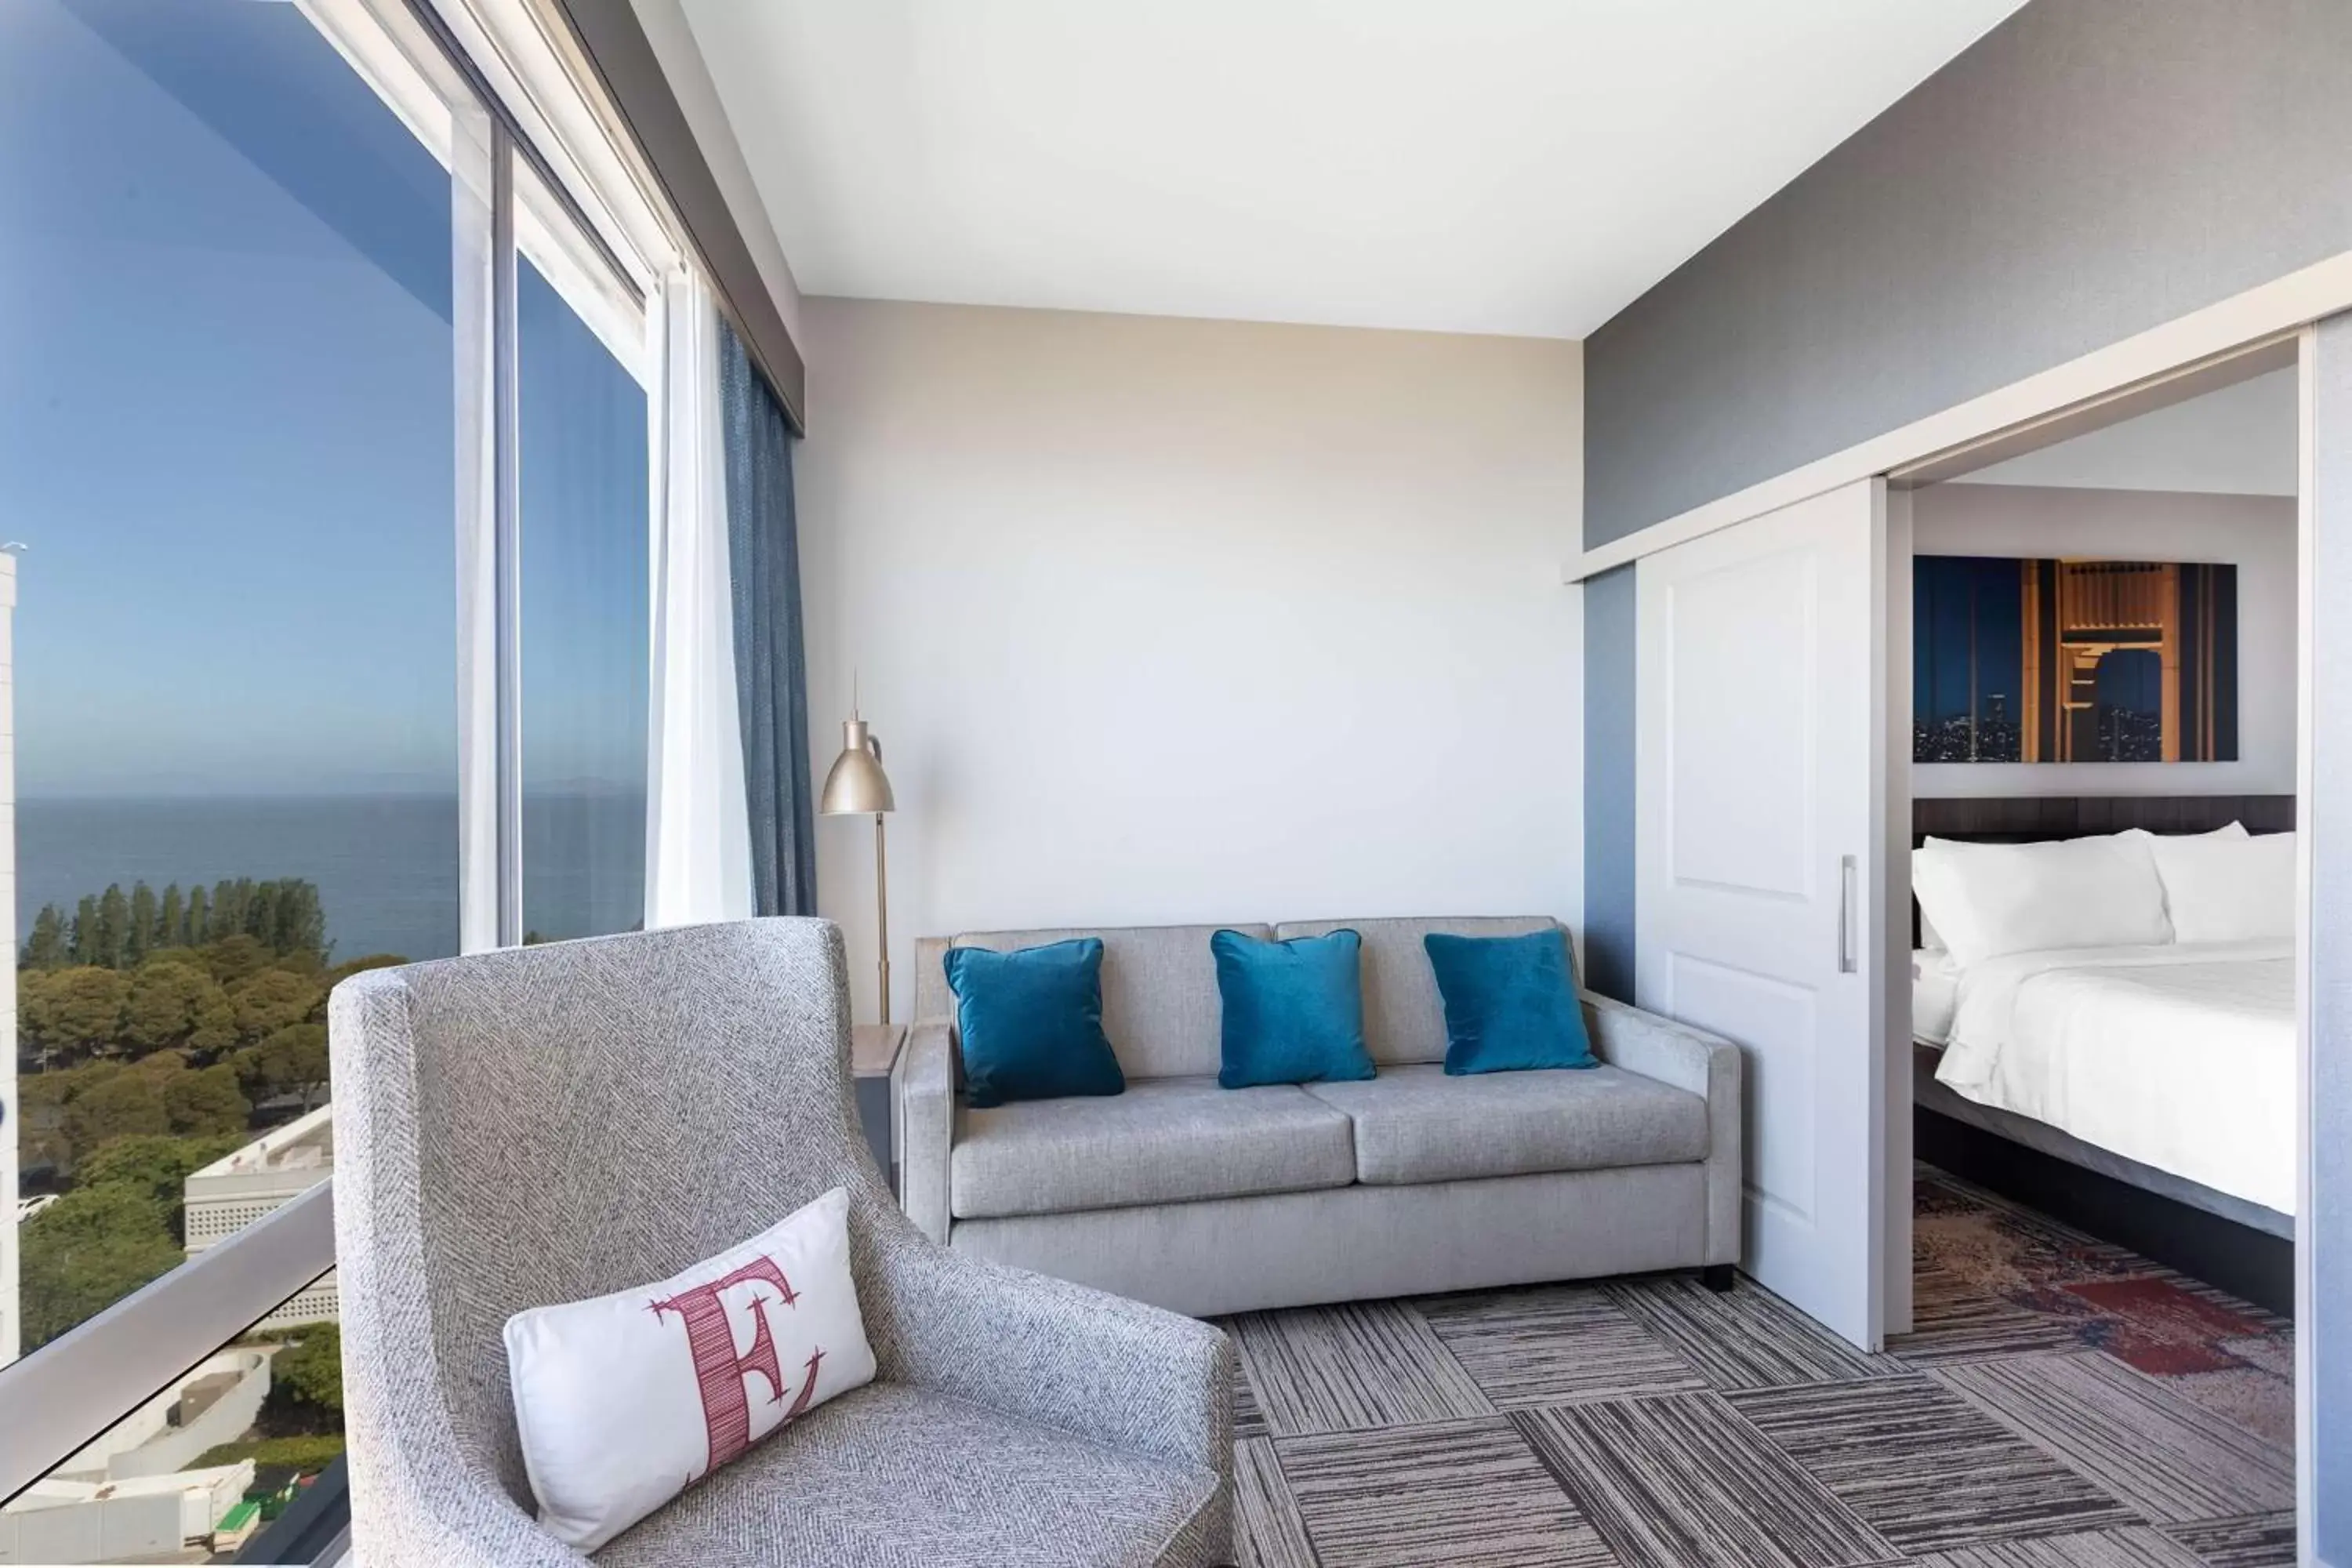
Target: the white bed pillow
(625, 1401)
(1988, 900)
(2229, 890)
(1931, 940)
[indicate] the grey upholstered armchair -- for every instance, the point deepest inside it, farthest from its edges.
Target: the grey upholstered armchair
(556, 1122)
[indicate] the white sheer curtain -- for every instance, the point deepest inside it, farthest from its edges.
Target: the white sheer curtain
(698, 833)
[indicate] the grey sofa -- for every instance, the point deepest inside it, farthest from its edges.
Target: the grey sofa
(1209, 1201)
(556, 1122)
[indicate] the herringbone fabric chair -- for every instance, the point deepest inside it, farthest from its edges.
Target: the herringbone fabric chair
(555, 1122)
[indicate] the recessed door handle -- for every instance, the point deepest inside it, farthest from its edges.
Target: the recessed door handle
(1845, 915)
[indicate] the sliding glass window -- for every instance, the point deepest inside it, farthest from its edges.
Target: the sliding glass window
(227, 419)
(586, 588)
(321, 656)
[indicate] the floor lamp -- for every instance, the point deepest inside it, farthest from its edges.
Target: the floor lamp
(855, 787)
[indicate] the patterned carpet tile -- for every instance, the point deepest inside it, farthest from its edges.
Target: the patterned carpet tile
(1682, 1481)
(2261, 1541)
(1267, 1531)
(2138, 1547)
(2247, 1397)
(1561, 1345)
(1747, 1338)
(1993, 1278)
(1924, 1468)
(2062, 1404)
(1464, 1494)
(1952, 1320)
(2166, 1329)
(2130, 1435)
(1351, 1368)
(2005, 1246)
(1249, 1421)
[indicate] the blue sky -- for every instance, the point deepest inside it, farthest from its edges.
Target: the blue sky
(227, 428)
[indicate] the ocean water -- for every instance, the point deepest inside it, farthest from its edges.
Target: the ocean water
(385, 866)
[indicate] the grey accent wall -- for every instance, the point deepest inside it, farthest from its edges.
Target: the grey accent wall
(1609, 784)
(2088, 170)
(2326, 1334)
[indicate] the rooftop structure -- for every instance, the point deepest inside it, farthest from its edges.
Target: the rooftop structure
(238, 1188)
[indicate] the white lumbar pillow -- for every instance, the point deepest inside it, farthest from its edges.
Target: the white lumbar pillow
(1988, 900)
(2229, 890)
(624, 1401)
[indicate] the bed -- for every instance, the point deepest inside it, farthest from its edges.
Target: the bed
(2145, 1092)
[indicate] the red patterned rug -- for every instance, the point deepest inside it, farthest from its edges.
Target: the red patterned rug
(1991, 1274)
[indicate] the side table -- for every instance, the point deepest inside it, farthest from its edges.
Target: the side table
(873, 1053)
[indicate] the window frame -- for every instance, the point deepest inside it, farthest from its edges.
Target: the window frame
(499, 92)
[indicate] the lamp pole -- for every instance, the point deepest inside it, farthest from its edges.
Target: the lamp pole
(882, 914)
(856, 786)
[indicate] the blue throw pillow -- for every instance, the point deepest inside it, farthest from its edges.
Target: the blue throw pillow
(1510, 1003)
(1294, 1011)
(1032, 1023)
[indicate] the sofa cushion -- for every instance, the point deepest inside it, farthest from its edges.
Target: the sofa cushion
(1294, 1011)
(1029, 1022)
(1164, 1140)
(895, 1474)
(1159, 992)
(1510, 1002)
(1414, 1123)
(1404, 1020)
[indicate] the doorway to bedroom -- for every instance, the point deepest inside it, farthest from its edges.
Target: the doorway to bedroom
(2099, 674)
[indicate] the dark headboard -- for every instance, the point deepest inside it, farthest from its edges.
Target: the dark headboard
(2023, 819)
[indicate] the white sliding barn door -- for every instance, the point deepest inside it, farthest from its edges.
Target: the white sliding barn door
(1761, 747)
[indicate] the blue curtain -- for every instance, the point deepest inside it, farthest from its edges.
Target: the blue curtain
(771, 671)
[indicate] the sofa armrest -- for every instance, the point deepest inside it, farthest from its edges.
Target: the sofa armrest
(1707, 1065)
(922, 1093)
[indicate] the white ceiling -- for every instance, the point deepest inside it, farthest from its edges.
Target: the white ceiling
(2235, 440)
(1514, 167)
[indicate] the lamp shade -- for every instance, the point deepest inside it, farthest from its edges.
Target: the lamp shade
(856, 785)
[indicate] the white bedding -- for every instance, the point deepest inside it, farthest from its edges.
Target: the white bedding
(1934, 994)
(2181, 1056)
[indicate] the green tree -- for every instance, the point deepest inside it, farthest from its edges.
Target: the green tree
(206, 1102)
(139, 934)
(298, 927)
(157, 1168)
(86, 1251)
(170, 919)
(235, 957)
(81, 942)
(45, 948)
(292, 1061)
(113, 927)
(231, 899)
(351, 966)
(200, 916)
(124, 1105)
(174, 1003)
(270, 1001)
(306, 1382)
(41, 1099)
(77, 1011)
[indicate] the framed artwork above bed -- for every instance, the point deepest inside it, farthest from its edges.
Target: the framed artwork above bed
(2073, 661)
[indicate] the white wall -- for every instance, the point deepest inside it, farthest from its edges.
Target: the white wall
(2257, 532)
(1171, 620)
(2236, 440)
